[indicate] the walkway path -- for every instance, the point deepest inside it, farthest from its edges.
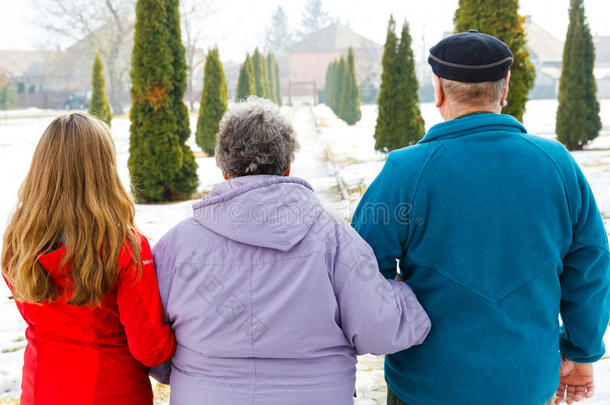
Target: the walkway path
(311, 163)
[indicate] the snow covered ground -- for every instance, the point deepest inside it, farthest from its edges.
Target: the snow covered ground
(321, 136)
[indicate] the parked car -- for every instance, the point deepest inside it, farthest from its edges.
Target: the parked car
(77, 101)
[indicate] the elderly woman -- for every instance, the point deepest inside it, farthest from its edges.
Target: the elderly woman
(270, 297)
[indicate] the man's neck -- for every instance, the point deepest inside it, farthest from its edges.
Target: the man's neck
(470, 114)
(453, 113)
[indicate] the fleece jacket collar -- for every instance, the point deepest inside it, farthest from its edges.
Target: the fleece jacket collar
(472, 125)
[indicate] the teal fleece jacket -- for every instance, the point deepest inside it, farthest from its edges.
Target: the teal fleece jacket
(498, 234)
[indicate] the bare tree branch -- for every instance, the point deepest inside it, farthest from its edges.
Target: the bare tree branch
(194, 14)
(104, 25)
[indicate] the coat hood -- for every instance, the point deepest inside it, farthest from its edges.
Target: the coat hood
(52, 262)
(262, 210)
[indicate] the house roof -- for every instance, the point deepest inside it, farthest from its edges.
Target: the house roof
(18, 62)
(334, 37)
(545, 47)
(542, 44)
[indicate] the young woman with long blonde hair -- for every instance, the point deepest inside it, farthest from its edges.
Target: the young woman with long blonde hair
(82, 277)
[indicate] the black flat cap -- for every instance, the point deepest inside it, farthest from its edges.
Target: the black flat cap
(471, 57)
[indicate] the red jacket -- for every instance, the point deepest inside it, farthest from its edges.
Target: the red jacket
(80, 355)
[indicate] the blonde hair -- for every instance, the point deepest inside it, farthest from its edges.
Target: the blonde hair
(72, 191)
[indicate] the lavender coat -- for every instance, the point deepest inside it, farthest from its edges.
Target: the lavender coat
(272, 298)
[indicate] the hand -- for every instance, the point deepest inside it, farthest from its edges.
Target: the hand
(575, 382)
(399, 278)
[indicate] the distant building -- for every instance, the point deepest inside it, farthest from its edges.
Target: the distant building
(546, 53)
(309, 59)
(18, 64)
(43, 72)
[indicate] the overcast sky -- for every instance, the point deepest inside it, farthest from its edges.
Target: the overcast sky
(239, 25)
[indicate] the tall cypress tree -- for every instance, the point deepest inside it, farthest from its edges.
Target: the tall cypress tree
(409, 122)
(261, 80)
(273, 70)
(8, 95)
(578, 121)
(350, 96)
(278, 83)
(338, 85)
(328, 82)
(278, 37)
(501, 19)
(386, 125)
(214, 100)
(271, 77)
(246, 85)
(155, 152)
(185, 183)
(99, 105)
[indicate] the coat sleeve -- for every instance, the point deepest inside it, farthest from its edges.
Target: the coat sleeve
(382, 218)
(164, 264)
(377, 316)
(585, 281)
(150, 340)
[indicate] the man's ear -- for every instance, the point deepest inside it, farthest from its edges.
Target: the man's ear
(287, 172)
(506, 85)
(439, 94)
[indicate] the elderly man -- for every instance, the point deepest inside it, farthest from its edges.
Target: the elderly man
(498, 234)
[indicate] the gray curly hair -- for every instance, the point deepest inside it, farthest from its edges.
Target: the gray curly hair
(255, 138)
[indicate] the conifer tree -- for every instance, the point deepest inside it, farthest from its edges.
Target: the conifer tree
(338, 85)
(214, 100)
(271, 77)
(331, 89)
(155, 153)
(501, 19)
(278, 83)
(246, 85)
(328, 82)
(185, 183)
(99, 106)
(261, 80)
(313, 18)
(409, 122)
(278, 37)
(386, 124)
(333, 74)
(277, 86)
(272, 74)
(349, 109)
(578, 120)
(8, 95)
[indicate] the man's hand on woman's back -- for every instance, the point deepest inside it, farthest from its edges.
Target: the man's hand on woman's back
(576, 382)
